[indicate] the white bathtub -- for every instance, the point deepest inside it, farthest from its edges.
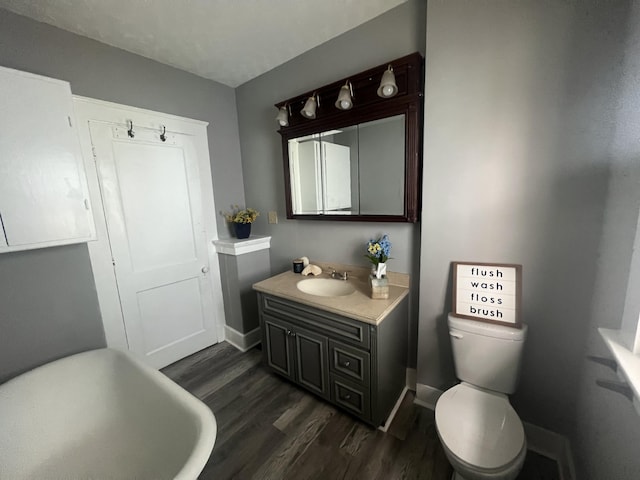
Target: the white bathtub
(101, 415)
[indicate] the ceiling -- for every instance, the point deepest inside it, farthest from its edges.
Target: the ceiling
(229, 41)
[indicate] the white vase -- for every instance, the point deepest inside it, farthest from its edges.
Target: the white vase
(379, 270)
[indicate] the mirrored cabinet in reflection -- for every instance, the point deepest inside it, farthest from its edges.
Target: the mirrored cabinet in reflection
(360, 164)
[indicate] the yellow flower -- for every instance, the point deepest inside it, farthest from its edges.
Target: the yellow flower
(247, 215)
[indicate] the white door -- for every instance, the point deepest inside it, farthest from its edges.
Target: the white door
(152, 204)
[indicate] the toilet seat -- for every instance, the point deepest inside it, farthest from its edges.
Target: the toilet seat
(479, 427)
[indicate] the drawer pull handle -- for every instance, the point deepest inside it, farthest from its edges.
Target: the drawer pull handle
(346, 364)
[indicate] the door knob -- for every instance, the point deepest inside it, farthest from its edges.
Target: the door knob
(205, 269)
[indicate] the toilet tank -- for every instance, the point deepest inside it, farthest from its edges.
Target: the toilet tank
(485, 354)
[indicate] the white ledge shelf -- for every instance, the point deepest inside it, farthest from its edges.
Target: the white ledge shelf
(237, 246)
(628, 362)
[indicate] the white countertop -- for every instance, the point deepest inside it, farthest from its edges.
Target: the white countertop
(357, 305)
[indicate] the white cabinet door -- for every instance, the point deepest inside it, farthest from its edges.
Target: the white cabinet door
(43, 187)
(336, 180)
(322, 177)
(308, 171)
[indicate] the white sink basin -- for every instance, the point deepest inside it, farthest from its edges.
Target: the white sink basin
(325, 287)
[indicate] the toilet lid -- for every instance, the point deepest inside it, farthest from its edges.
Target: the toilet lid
(479, 427)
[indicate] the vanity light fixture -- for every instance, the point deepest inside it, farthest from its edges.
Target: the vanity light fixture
(345, 97)
(309, 109)
(283, 116)
(388, 87)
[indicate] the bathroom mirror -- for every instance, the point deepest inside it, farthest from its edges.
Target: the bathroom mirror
(360, 164)
(348, 171)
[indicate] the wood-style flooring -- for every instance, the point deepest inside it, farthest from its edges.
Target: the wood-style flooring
(270, 429)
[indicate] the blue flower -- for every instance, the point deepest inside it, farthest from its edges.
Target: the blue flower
(378, 251)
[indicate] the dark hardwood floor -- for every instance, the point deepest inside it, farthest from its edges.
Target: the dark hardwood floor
(270, 429)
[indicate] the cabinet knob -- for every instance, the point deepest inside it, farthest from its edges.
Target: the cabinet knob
(346, 363)
(205, 269)
(347, 397)
(288, 332)
(293, 334)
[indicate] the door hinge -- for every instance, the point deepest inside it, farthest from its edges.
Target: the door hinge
(93, 150)
(70, 123)
(113, 262)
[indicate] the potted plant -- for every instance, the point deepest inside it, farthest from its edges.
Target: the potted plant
(241, 219)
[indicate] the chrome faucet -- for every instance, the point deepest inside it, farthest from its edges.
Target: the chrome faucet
(338, 275)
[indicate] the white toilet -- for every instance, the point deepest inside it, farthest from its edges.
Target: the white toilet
(480, 431)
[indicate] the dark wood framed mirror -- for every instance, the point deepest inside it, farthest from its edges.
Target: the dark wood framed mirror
(359, 164)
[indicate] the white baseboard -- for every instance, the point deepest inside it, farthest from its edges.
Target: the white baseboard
(426, 396)
(551, 445)
(410, 384)
(242, 341)
(539, 440)
(384, 427)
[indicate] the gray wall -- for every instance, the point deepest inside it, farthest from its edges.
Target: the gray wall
(48, 308)
(239, 273)
(394, 34)
(60, 301)
(521, 126)
(607, 431)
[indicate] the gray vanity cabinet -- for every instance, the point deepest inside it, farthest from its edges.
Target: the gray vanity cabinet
(355, 365)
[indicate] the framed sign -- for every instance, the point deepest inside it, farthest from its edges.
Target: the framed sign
(488, 292)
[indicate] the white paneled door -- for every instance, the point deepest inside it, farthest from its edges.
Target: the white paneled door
(151, 195)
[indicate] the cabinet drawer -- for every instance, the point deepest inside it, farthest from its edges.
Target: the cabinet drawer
(350, 396)
(349, 362)
(347, 330)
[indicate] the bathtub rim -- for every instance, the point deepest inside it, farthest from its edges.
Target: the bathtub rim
(207, 425)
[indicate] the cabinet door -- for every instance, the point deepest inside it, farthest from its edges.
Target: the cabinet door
(307, 167)
(336, 177)
(43, 187)
(312, 363)
(278, 353)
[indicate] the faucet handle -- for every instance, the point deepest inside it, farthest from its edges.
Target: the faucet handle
(340, 275)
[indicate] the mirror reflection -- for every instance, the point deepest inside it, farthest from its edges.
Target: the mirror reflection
(357, 170)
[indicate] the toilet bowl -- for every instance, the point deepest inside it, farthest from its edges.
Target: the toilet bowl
(481, 433)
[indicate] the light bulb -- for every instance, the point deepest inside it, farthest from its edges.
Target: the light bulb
(345, 104)
(387, 90)
(283, 118)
